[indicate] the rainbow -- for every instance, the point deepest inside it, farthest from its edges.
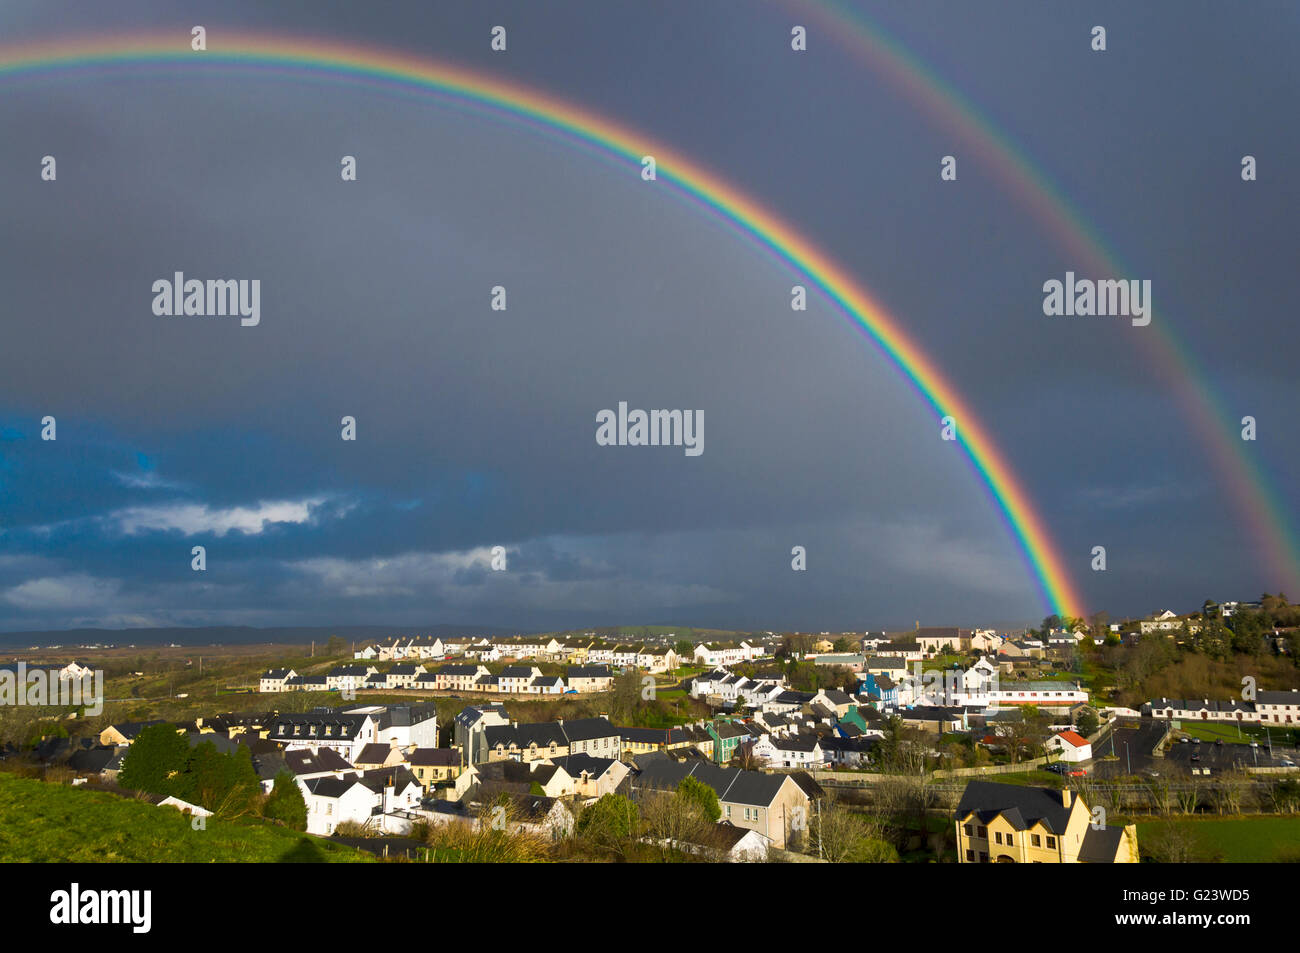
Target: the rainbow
(460, 86)
(1239, 471)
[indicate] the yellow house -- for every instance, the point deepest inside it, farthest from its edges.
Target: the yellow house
(432, 765)
(1009, 823)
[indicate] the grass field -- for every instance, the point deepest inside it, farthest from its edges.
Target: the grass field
(1213, 731)
(46, 823)
(1239, 840)
(1040, 779)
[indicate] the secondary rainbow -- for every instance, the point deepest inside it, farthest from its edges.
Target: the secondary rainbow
(1235, 463)
(782, 240)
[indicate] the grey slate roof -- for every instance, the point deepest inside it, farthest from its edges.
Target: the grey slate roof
(1022, 806)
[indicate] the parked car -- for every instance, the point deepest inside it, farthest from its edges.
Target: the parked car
(1056, 767)
(1077, 773)
(1219, 742)
(1196, 757)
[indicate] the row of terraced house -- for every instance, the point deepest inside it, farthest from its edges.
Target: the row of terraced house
(412, 676)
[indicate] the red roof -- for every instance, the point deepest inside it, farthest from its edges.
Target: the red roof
(1073, 738)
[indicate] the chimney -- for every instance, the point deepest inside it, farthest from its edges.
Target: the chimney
(1066, 797)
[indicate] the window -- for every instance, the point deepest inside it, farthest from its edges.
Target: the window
(1036, 840)
(1051, 843)
(983, 832)
(970, 856)
(1010, 841)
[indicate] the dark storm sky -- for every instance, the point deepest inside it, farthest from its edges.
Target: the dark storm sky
(476, 428)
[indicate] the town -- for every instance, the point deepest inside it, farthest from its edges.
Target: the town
(935, 744)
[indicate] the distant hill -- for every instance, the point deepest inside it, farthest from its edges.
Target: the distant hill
(236, 635)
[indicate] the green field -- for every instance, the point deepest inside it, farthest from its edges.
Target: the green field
(1236, 840)
(1032, 778)
(1214, 731)
(46, 823)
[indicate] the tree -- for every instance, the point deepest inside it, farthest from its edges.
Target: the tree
(1088, 722)
(155, 760)
(336, 645)
(226, 784)
(842, 837)
(285, 802)
(625, 699)
(609, 824)
(702, 796)
(746, 758)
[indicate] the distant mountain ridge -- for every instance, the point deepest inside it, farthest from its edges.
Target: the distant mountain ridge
(237, 634)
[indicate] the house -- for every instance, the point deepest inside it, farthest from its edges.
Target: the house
(1166, 621)
(1202, 709)
(774, 805)
(434, 765)
(485, 781)
(517, 678)
(909, 650)
(306, 763)
(1070, 745)
(458, 678)
(737, 845)
(348, 678)
(101, 762)
(1278, 708)
(1009, 823)
(346, 734)
(549, 740)
(402, 726)
(727, 738)
(593, 777)
(125, 732)
(403, 675)
(274, 679)
(331, 800)
(307, 683)
(895, 668)
(714, 654)
(469, 726)
(590, 678)
(593, 736)
(852, 662)
(650, 658)
(936, 640)
(934, 718)
(378, 756)
(546, 816)
(790, 751)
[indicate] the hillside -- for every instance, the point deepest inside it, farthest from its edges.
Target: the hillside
(47, 823)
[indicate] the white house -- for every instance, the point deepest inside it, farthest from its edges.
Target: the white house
(1070, 746)
(275, 680)
(714, 654)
